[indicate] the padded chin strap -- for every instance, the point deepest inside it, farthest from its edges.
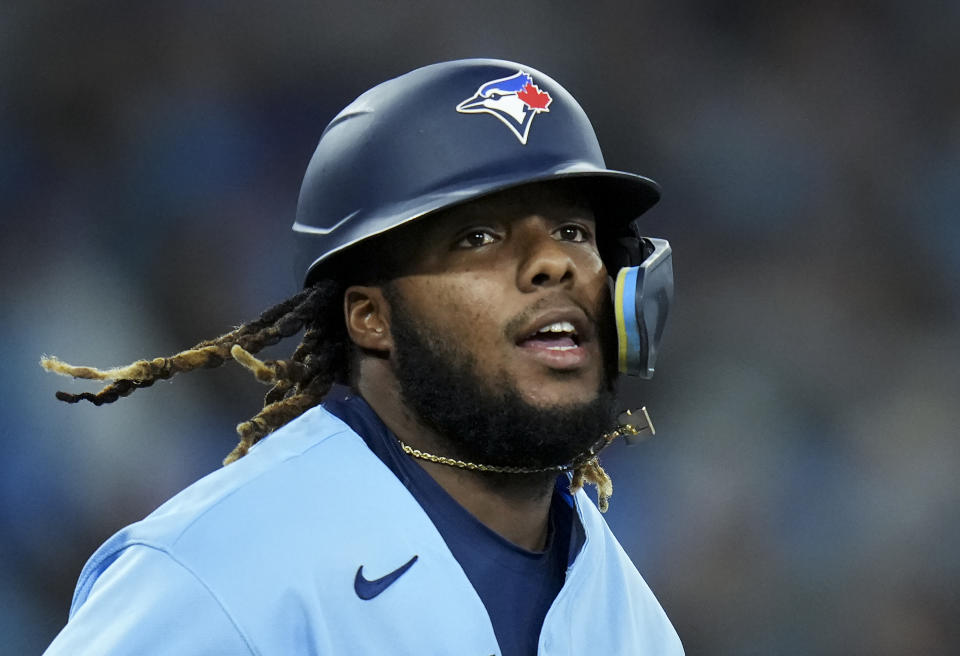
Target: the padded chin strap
(642, 296)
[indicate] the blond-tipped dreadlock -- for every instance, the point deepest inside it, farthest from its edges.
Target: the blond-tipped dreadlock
(592, 472)
(298, 383)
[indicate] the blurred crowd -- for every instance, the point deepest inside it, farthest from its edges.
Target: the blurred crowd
(801, 494)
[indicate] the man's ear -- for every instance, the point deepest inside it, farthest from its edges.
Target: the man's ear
(368, 318)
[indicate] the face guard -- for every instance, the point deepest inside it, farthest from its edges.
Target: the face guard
(641, 300)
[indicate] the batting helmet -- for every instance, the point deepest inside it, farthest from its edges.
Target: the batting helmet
(450, 133)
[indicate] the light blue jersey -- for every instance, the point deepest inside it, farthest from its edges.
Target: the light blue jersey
(263, 557)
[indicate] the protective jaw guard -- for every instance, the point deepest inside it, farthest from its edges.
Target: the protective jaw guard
(642, 296)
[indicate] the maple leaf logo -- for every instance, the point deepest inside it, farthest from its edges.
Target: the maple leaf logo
(534, 98)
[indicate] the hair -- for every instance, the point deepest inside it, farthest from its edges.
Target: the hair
(298, 383)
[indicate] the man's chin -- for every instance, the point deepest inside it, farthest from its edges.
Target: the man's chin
(560, 404)
(564, 394)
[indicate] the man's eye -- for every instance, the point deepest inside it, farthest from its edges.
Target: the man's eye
(572, 233)
(475, 239)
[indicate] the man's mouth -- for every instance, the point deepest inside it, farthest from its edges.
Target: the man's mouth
(557, 339)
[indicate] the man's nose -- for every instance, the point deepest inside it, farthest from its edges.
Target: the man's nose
(545, 262)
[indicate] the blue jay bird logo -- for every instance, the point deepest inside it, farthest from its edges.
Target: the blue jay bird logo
(515, 100)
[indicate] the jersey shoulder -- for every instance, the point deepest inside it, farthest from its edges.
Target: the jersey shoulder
(621, 602)
(281, 485)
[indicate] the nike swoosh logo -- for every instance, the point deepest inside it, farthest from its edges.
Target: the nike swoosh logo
(370, 589)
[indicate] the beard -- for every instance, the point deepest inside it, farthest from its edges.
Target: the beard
(489, 421)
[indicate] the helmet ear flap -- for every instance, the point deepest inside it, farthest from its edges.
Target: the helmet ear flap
(642, 295)
(629, 250)
(628, 253)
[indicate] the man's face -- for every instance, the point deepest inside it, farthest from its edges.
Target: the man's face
(506, 307)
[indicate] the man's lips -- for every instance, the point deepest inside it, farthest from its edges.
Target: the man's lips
(557, 338)
(568, 321)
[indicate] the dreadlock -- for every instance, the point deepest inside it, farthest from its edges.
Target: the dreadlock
(298, 383)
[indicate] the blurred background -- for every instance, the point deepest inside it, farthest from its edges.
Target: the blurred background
(801, 494)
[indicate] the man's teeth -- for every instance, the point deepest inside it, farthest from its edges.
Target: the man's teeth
(559, 327)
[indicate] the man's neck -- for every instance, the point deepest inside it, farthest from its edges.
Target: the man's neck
(515, 506)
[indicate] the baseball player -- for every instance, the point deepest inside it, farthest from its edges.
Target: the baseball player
(473, 284)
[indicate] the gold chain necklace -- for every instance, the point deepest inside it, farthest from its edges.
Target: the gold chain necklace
(626, 429)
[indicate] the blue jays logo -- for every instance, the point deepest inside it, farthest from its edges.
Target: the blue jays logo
(515, 100)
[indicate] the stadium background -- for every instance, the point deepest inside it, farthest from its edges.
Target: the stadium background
(801, 496)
